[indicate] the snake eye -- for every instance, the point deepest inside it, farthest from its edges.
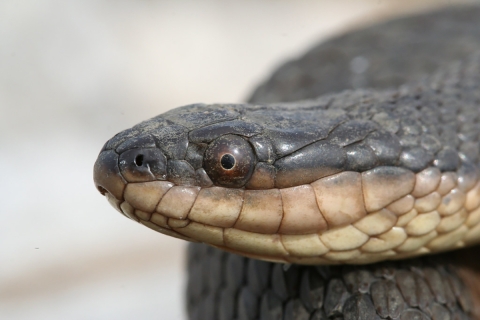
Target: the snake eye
(229, 161)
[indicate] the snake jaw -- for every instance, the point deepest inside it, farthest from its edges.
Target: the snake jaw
(265, 224)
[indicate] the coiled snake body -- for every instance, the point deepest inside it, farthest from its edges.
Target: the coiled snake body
(330, 182)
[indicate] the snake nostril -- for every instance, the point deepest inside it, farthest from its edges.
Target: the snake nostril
(143, 164)
(102, 190)
(139, 160)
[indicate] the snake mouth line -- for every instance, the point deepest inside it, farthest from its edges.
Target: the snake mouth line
(350, 217)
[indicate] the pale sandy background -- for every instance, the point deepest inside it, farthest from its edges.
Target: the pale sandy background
(72, 74)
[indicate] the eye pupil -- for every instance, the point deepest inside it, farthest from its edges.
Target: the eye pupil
(227, 161)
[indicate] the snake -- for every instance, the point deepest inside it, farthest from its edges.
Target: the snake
(348, 187)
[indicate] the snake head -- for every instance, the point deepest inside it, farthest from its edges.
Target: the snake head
(309, 183)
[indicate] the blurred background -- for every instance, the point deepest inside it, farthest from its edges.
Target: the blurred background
(74, 73)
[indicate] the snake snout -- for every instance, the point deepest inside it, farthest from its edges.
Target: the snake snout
(106, 174)
(112, 171)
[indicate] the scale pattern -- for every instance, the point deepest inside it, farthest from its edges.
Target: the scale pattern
(224, 286)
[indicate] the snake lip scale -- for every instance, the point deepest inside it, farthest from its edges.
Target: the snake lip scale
(351, 177)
